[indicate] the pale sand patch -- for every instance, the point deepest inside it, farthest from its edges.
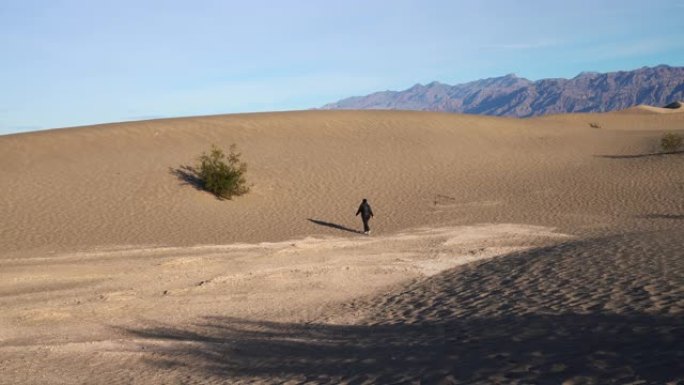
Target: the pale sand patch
(289, 280)
(77, 312)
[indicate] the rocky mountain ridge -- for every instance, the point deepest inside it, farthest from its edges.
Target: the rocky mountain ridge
(511, 95)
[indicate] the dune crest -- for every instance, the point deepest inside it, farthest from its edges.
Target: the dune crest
(674, 107)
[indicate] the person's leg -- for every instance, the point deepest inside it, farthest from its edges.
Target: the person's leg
(365, 225)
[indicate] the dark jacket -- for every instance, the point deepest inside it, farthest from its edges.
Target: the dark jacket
(365, 210)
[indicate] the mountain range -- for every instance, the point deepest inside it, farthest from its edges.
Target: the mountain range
(511, 95)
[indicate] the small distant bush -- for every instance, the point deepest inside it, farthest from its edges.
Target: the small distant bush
(220, 174)
(594, 125)
(670, 142)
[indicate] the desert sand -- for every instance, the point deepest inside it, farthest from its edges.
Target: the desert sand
(545, 250)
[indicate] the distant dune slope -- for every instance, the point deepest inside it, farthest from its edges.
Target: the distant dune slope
(111, 184)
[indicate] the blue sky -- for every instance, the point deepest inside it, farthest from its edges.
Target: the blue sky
(76, 62)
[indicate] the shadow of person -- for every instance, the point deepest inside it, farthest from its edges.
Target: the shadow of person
(333, 225)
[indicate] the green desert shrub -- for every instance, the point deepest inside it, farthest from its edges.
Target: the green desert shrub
(220, 174)
(670, 142)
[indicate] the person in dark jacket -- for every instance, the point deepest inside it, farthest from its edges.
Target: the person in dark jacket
(366, 214)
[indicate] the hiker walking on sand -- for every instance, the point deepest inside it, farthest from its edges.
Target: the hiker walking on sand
(366, 215)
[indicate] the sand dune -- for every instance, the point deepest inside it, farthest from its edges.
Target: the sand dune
(504, 250)
(111, 185)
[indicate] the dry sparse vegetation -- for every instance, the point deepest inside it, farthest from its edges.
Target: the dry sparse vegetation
(220, 174)
(671, 142)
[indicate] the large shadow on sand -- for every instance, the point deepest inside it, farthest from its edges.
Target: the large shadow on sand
(531, 349)
(604, 310)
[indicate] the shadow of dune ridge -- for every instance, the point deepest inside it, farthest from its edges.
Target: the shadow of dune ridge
(333, 225)
(599, 310)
